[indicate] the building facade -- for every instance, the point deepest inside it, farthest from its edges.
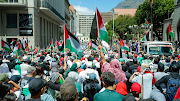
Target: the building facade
(83, 26)
(106, 16)
(174, 21)
(39, 21)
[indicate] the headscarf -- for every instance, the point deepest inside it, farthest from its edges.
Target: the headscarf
(115, 68)
(73, 68)
(121, 88)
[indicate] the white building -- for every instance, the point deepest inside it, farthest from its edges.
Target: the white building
(37, 20)
(83, 24)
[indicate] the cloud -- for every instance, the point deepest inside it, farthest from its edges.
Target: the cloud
(84, 10)
(79, 2)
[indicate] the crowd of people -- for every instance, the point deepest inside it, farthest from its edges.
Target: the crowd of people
(94, 76)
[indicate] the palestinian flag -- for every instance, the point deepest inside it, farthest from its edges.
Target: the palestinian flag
(146, 22)
(94, 46)
(5, 46)
(121, 43)
(144, 38)
(104, 49)
(71, 42)
(58, 44)
(17, 48)
(125, 47)
(13, 41)
(170, 31)
(101, 27)
(94, 31)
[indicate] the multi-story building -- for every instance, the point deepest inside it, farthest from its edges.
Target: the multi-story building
(38, 21)
(83, 24)
(72, 19)
(106, 16)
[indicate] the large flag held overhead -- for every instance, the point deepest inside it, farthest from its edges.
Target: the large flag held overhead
(101, 27)
(94, 31)
(5, 46)
(170, 31)
(71, 42)
(94, 46)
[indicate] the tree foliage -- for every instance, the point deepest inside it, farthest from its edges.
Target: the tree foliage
(160, 10)
(121, 25)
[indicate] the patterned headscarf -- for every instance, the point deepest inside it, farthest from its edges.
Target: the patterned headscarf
(115, 68)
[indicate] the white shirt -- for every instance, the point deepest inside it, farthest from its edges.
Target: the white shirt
(69, 63)
(82, 77)
(147, 83)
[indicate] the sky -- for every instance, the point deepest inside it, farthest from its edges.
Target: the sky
(88, 6)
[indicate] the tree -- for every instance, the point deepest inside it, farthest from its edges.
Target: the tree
(121, 25)
(160, 10)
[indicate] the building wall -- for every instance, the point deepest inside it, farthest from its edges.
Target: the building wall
(84, 23)
(44, 27)
(132, 12)
(174, 21)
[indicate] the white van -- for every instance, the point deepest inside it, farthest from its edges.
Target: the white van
(156, 47)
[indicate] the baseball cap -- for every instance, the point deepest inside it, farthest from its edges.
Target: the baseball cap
(36, 84)
(92, 76)
(68, 90)
(135, 55)
(136, 88)
(3, 76)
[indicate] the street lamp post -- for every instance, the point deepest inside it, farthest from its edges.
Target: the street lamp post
(113, 25)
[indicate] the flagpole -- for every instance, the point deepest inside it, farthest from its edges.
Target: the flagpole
(64, 40)
(97, 24)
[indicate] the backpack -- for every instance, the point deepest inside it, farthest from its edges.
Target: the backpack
(90, 89)
(172, 87)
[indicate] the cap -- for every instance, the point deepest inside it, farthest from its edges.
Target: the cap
(135, 55)
(68, 90)
(3, 76)
(25, 58)
(92, 76)
(121, 60)
(136, 88)
(36, 84)
(54, 64)
(89, 64)
(15, 78)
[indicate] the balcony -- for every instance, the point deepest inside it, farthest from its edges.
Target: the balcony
(13, 3)
(52, 12)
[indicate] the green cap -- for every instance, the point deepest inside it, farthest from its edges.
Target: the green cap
(121, 60)
(3, 76)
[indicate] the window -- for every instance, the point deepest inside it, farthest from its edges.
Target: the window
(11, 20)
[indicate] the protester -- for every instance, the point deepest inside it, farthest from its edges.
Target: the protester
(109, 94)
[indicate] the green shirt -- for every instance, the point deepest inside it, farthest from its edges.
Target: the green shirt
(108, 95)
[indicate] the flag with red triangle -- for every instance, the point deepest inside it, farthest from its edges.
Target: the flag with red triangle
(170, 31)
(5, 46)
(71, 42)
(146, 22)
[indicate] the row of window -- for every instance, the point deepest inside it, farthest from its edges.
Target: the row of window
(84, 38)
